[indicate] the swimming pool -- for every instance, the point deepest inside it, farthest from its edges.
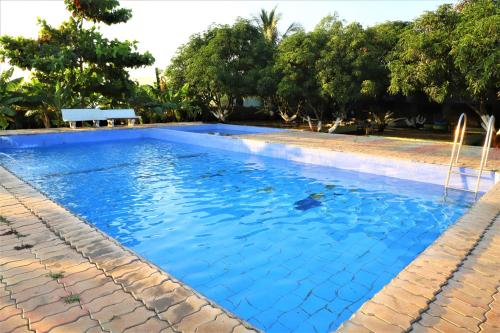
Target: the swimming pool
(289, 247)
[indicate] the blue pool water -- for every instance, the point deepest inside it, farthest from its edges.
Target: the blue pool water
(224, 130)
(288, 247)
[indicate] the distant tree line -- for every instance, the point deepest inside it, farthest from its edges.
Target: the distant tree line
(335, 71)
(339, 70)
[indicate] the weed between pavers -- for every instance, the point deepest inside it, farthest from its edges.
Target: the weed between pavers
(22, 247)
(73, 298)
(56, 275)
(10, 232)
(13, 231)
(4, 220)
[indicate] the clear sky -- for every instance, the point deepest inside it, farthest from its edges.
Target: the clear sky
(162, 26)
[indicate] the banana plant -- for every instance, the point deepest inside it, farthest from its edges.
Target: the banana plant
(174, 103)
(45, 101)
(10, 96)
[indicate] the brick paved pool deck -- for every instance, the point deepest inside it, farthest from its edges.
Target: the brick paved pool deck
(60, 274)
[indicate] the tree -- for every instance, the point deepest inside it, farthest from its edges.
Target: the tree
(345, 64)
(298, 89)
(379, 42)
(80, 58)
(421, 60)
(221, 66)
(267, 23)
(451, 54)
(10, 96)
(476, 52)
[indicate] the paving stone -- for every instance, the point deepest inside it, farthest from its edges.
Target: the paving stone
(36, 291)
(454, 317)
(441, 324)
(84, 324)
(69, 272)
(221, 324)
(351, 327)
(98, 303)
(114, 263)
(387, 314)
(21, 329)
(375, 324)
(34, 302)
(12, 323)
(9, 311)
(191, 322)
(150, 294)
(30, 283)
(116, 273)
(164, 301)
(128, 279)
(460, 306)
(138, 286)
(406, 296)
(79, 277)
(93, 279)
(176, 313)
(46, 310)
(23, 277)
(151, 325)
(419, 328)
(106, 289)
(127, 320)
(468, 293)
(18, 264)
(414, 288)
(66, 317)
(108, 312)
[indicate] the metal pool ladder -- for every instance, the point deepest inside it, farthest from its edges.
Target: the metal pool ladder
(455, 153)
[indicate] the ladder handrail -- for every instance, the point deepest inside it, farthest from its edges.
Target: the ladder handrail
(459, 132)
(486, 150)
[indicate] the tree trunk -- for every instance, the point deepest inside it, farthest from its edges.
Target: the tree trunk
(483, 116)
(46, 119)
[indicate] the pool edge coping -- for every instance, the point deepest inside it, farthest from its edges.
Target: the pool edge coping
(55, 224)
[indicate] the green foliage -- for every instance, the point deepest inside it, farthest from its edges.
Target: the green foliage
(56, 275)
(221, 65)
(104, 11)
(297, 65)
(452, 53)
(421, 60)
(10, 96)
(74, 65)
(43, 101)
(267, 24)
(476, 48)
(340, 73)
(380, 40)
(73, 298)
(160, 102)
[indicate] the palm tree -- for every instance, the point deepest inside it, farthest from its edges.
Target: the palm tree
(267, 23)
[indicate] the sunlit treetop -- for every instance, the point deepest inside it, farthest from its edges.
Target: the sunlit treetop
(105, 11)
